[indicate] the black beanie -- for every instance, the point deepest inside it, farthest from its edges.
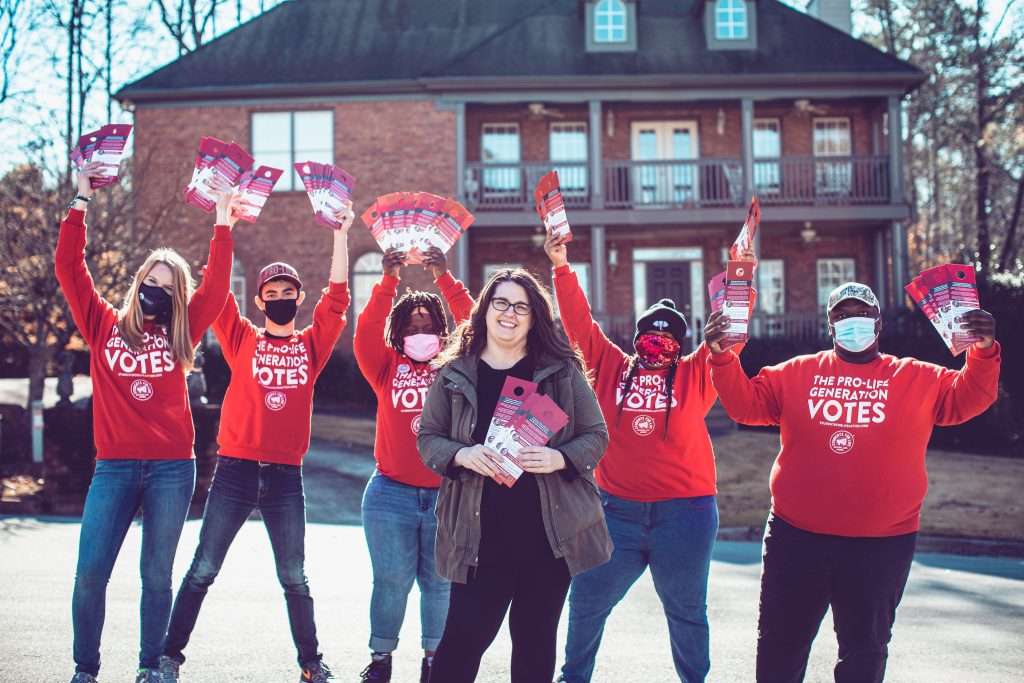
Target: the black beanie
(662, 317)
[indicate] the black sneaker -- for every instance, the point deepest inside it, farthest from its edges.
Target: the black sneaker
(316, 673)
(379, 669)
(425, 669)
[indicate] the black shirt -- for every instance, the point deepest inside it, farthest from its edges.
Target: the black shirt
(511, 524)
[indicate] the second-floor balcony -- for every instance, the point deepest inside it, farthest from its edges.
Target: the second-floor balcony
(690, 183)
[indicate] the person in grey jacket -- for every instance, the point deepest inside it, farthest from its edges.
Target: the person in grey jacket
(511, 548)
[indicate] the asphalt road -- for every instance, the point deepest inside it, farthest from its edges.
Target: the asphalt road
(962, 619)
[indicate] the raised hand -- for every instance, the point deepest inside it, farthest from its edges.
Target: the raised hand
(479, 459)
(435, 260)
(345, 216)
(981, 324)
(715, 330)
(227, 199)
(90, 170)
(556, 250)
(393, 261)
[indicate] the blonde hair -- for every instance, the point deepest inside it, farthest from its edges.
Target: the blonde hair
(130, 316)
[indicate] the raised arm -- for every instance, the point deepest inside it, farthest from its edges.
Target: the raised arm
(970, 391)
(756, 401)
(369, 348)
(329, 315)
(574, 309)
(208, 300)
(89, 310)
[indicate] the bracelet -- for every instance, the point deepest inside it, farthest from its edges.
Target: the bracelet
(71, 204)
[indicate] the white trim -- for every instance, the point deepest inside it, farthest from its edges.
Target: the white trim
(668, 254)
(695, 256)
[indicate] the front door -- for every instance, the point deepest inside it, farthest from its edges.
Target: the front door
(671, 280)
(671, 178)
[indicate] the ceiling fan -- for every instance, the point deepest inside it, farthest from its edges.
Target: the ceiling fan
(538, 110)
(805, 107)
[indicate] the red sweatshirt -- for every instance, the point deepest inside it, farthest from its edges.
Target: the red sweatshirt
(140, 403)
(399, 382)
(642, 462)
(268, 406)
(854, 436)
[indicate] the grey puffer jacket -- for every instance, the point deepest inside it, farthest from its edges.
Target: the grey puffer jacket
(570, 505)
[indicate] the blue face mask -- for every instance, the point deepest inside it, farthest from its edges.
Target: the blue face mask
(855, 334)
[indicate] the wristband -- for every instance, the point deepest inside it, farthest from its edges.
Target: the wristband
(85, 199)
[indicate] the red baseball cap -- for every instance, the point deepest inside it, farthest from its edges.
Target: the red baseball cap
(277, 270)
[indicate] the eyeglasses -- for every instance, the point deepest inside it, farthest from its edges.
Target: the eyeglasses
(502, 305)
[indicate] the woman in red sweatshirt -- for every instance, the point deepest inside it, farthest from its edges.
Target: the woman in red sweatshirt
(141, 420)
(657, 478)
(398, 504)
(849, 480)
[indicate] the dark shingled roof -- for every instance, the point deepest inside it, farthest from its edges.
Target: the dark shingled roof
(408, 45)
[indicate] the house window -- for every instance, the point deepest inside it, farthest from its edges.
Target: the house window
(610, 22)
(767, 145)
(365, 274)
(832, 139)
(833, 272)
(500, 146)
(731, 20)
(568, 142)
(771, 279)
(280, 139)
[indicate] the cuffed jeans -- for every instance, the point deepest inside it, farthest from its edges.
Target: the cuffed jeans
(163, 489)
(674, 538)
(239, 487)
(400, 529)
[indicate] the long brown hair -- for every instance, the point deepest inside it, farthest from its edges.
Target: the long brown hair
(129, 318)
(543, 339)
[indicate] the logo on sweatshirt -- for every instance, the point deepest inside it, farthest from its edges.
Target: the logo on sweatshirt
(643, 425)
(841, 442)
(142, 390)
(415, 424)
(275, 400)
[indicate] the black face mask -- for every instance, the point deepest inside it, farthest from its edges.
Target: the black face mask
(281, 311)
(155, 302)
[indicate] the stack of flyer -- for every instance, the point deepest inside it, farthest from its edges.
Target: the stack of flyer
(944, 294)
(745, 240)
(413, 222)
(217, 162)
(328, 188)
(550, 206)
(105, 146)
(254, 190)
(523, 417)
(731, 293)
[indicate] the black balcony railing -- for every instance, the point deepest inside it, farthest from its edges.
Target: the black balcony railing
(690, 183)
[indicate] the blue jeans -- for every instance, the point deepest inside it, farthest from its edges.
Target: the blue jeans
(674, 538)
(239, 487)
(400, 528)
(163, 489)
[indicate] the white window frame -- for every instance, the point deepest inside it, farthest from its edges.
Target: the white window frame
(499, 182)
(832, 178)
(832, 272)
(606, 29)
(771, 280)
(731, 21)
(664, 184)
(366, 272)
(574, 179)
(290, 181)
(767, 168)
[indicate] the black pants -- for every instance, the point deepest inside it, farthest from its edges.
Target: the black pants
(535, 587)
(802, 574)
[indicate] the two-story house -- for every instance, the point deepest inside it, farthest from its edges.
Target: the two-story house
(662, 117)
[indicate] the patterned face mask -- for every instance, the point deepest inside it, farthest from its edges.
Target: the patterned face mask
(656, 351)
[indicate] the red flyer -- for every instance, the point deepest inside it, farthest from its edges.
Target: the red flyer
(328, 188)
(254, 191)
(745, 240)
(534, 423)
(413, 222)
(944, 294)
(105, 146)
(731, 293)
(550, 206)
(224, 161)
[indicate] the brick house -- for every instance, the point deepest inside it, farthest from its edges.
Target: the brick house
(663, 117)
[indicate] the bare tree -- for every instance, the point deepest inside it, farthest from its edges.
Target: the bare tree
(187, 20)
(9, 16)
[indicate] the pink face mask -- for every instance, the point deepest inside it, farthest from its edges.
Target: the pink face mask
(421, 347)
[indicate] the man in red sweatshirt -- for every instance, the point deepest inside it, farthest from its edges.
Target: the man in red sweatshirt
(849, 480)
(264, 434)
